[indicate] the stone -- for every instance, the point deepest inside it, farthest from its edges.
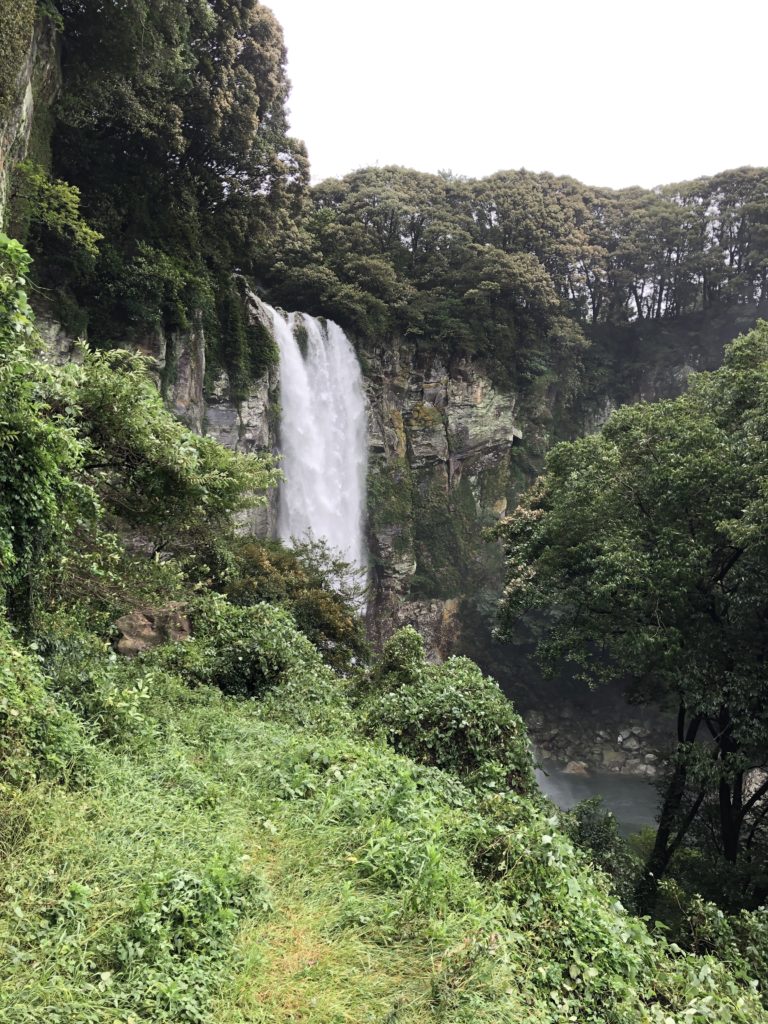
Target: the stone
(146, 628)
(185, 394)
(613, 758)
(651, 758)
(576, 768)
(436, 620)
(631, 743)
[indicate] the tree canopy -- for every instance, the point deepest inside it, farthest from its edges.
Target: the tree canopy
(172, 124)
(646, 547)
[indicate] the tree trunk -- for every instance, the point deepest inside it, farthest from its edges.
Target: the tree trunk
(668, 837)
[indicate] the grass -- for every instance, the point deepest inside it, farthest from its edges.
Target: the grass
(241, 871)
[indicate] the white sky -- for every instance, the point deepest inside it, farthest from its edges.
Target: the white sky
(609, 91)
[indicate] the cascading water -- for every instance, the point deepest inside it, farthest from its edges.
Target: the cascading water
(323, 435)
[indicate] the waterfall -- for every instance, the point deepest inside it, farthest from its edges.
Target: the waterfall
(323, 435)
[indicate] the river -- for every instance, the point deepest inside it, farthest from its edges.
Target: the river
(632, 800)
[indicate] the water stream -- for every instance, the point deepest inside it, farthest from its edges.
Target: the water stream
(633, 801)
(323, 435)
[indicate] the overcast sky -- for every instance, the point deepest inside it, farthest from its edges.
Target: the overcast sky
(609, 91)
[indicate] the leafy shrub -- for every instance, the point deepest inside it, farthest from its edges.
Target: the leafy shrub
(38, 739)
(595, 830)
(450, 715)
(321, 591)
(40, 455)
(112, 695)
(243, 651)
(154, 472)
(258, 652)
(738, 940)
(51, 205)
(402, 661)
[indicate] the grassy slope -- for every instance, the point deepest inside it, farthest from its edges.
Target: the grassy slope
(238, 869)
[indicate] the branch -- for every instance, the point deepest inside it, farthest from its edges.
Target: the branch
(686, 823)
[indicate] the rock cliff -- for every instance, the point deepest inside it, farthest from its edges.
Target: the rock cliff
(441, 443)
(37, 84)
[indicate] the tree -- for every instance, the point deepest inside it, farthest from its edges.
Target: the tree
(646, 546)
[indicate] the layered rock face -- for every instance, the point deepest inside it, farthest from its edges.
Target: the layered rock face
(440, 448)
(37, 86)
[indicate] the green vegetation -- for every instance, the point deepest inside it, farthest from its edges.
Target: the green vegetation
(51, 205)
(448, 715)
(645, 546)
(320, 591)
(17, 20)
(519, 267)
(220, 829)
(171, 124)
(261, 822)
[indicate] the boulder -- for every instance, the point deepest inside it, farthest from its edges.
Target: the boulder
(576, 768)
(146, 628)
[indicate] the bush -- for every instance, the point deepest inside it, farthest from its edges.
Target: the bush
(321, 591)
(40, 456)
(258, 652)
(110, 694)
(450, 715)
(595, 830)
(38, 739)
(243, 651)
(177, 488)
(739, 940)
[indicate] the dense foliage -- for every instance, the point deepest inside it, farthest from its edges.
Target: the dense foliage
(646, 545)
(172, 125)
(172, 854)
(519, 266)
(322, 592)
(447, 715)
(90, 448)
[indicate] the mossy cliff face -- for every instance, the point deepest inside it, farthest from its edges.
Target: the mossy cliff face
(201, 395)
(441, 451)
(30, 79)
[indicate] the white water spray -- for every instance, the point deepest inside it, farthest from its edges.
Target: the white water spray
(323, 435)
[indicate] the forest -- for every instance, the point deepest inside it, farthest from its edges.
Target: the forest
(259, 815)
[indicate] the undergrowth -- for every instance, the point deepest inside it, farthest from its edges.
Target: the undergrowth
(239, 869)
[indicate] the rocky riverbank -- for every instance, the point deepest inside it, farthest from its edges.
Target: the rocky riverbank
(600, 739)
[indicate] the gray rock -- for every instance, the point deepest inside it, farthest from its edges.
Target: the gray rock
(150, 627)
